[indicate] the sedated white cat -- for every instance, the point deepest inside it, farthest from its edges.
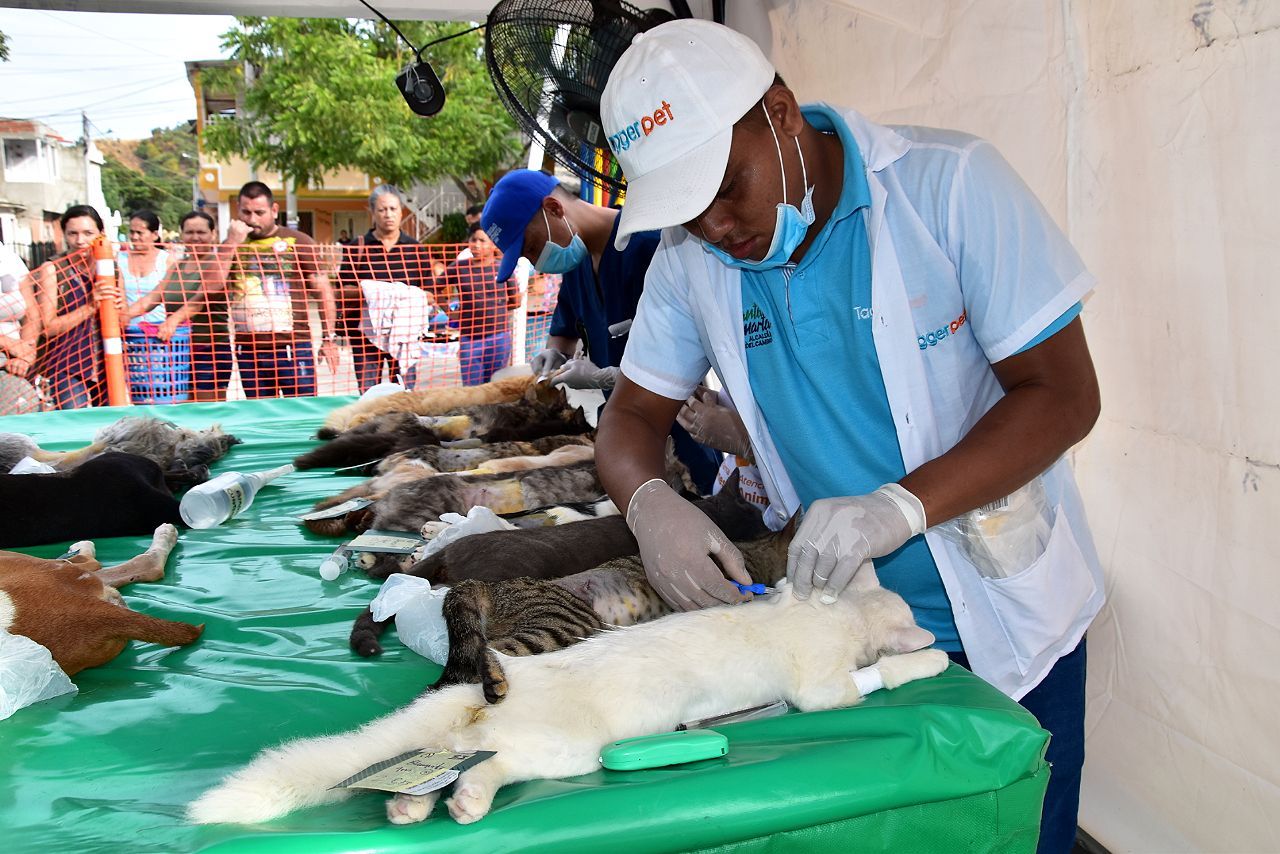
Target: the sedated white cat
(564, 706)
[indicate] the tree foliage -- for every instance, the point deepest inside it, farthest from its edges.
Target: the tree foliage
(324, 97)
(167, 160)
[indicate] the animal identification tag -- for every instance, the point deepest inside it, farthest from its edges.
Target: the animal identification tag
(389, 542)
(416, 772)
(337, 510)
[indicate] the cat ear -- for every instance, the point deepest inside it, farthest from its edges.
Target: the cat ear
(731, 483)
(909, 639)
(865, 578)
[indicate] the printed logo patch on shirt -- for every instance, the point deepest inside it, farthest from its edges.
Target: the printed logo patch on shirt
(936, 336)
(757, 331)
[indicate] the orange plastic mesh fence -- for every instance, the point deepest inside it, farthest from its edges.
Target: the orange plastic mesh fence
(265, 318)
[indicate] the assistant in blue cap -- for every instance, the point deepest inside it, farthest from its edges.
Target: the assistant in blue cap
(513, 203)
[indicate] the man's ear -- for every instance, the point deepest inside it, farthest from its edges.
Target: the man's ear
(784, 110)
(553, 206)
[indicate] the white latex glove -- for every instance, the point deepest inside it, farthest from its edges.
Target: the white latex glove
(686, 557)
(547, 360)
(714, 424)
(582, 373)
(837, 535)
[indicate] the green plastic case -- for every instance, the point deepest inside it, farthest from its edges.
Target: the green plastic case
(666, 748)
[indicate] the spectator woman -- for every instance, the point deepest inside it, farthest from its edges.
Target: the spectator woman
(68, 298)
(386, 255)
(142, 266)
(19, 328)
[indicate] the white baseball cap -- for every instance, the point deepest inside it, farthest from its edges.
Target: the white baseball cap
(668, 111)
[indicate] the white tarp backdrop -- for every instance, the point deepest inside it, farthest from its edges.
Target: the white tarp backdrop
(1151, 131)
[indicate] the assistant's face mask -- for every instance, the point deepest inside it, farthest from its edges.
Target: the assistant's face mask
(791, 225)
(555, 258)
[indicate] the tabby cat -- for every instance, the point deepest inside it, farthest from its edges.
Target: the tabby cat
(526, 616)
(553, 552)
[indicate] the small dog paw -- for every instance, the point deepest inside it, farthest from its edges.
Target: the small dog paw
(409, 809)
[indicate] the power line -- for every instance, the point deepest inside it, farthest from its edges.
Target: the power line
(146, 85)
(100, 35)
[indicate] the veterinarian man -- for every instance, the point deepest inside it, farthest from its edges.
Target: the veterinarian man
(529, 214)
(895, 317)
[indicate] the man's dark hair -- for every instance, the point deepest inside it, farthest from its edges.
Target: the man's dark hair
(475, 210)
(472, 229)
(77, 211)
(182, 223)
(256, 190)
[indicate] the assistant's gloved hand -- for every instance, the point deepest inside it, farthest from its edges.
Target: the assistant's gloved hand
(686, 557)
(547, 360)
(838, 534)
(582, 373)
(714, 424)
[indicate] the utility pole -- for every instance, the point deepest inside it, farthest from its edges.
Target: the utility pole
(88, 191)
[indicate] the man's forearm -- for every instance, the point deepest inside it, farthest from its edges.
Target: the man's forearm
(630, 443)
(328, 307)
(1043, 413)
(562, 343)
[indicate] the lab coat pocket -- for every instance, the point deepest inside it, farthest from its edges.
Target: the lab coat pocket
(1039, 605)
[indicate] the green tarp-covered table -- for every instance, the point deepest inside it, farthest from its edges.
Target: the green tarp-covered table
(945, 764)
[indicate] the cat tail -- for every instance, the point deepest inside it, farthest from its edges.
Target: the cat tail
(300, 773)
(466, 614)
(365, 634)
(349, 450)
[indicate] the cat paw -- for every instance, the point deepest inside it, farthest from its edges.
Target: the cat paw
(432, 529)
(470, 803)
(898, 670)
(165, 538)
(84, 548)
(409, 809)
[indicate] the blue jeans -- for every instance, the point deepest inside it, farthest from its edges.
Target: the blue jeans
(481, 357)
(271, 370)
(1058, 704)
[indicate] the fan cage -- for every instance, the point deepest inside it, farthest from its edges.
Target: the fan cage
(549, 61)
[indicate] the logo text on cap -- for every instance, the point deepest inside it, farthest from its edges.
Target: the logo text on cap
(622, 140)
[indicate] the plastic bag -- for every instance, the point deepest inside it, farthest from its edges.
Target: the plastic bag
(1006, 536)
(28, 674)
(418, 609)
(28, 465)
(479, 520)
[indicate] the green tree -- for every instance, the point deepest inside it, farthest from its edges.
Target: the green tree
(165, 166)
(324, 96)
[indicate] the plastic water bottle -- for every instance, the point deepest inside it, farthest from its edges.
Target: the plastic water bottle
(335, 564)
(215, 501)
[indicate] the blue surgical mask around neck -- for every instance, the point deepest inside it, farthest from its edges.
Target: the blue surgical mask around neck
(791, 226)
(555, 258)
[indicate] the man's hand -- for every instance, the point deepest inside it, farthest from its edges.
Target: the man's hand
(237, 232)
(837, 535)
(329, 352)
(547, 360)
(686, 557)
(19, 366)
(714, 424)
(582, 373)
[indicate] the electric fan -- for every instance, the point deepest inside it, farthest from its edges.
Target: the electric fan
(549, 61)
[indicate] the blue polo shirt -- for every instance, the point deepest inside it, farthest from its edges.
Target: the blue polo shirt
(589, 304)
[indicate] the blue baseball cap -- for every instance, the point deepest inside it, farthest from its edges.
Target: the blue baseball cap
(513, 203)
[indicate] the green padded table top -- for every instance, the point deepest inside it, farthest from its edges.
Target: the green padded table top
(942, 764)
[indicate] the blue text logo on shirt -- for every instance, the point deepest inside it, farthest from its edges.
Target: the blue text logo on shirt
(938, 335)
(756, 328)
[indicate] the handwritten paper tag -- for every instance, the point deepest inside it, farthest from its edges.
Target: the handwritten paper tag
(416, 772)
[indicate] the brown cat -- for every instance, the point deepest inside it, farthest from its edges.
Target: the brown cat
(526, 616)
(429, 402)
(71, 606)
(553, 552)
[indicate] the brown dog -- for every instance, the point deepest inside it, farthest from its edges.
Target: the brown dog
(72, 607)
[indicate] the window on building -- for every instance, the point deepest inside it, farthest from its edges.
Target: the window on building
(32, 161)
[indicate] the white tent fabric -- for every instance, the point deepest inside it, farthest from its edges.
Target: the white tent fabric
(1150, 129)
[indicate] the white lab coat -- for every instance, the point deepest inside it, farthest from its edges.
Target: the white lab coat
(942, 203)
